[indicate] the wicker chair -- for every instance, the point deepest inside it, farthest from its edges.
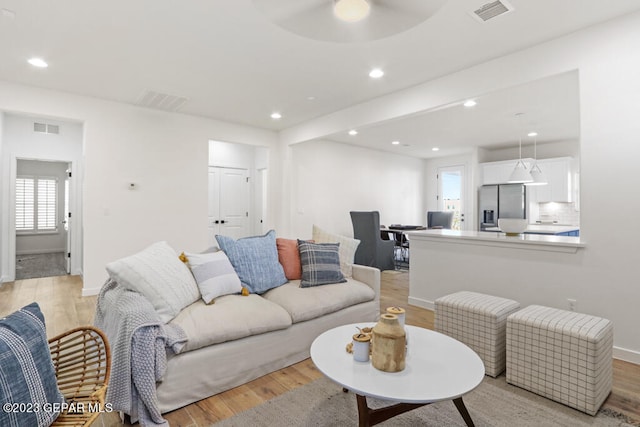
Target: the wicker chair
(82, 361)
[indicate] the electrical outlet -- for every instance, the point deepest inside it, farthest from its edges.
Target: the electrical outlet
(572, 304)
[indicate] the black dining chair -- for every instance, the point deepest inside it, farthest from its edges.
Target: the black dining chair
(372, 251)
(439, 219)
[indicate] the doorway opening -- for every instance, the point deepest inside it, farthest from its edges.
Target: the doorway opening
(42, 225)
(237, 190)
(451, 192)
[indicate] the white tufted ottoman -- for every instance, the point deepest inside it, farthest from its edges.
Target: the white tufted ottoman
(562, 355)
(479, 321)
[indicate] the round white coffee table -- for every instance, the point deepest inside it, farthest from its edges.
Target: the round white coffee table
(437, 368)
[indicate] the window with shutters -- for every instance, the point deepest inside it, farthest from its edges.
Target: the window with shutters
(36, 204)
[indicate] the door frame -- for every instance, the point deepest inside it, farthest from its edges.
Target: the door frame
(74, 206)
(464, 199)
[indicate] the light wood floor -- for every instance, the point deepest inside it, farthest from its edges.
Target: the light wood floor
(64, 308)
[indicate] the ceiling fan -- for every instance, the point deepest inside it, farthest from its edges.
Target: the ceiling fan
(347, 21)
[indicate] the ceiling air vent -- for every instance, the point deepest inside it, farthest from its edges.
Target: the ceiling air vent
(491, 10)
(161, 101)
(45, 128)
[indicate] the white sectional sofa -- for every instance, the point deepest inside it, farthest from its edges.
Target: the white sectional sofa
(275, 330)
(170, 348)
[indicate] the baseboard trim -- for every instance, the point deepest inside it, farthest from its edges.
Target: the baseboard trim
(627, 355)
(40, 251)
(423, 303)
(619, 353)
(87, 292)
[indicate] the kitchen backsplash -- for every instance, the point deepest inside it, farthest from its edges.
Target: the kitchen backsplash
(562, 213)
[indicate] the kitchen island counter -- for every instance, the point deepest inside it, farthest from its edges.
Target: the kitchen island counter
(529, 268)
(540, 242)
(551, 229)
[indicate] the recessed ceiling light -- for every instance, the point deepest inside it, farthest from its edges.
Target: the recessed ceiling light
(38, 62)
(395, 142)
(435, 149)
(276, 115)
(470, 103)
(532, 134)
(353, 132)
(376, 73)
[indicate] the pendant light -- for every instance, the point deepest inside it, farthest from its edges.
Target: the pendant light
(536, 173)
(520, 174)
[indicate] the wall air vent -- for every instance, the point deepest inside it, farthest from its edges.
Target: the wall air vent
(491, 10)
(161, 101)
(45, 128)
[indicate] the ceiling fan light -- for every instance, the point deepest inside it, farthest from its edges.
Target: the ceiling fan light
(351, 10)
(520, 174)
(537, 175)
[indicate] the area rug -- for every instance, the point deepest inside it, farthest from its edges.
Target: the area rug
(494, 403)
(40, 265)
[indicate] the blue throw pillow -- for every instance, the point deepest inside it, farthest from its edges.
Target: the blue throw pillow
(320, 264)
(255, 260)
(28, 386)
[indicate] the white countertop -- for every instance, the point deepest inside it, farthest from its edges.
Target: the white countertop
(544, 228)
(543, 242)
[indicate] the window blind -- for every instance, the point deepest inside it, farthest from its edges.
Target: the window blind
(25, 204)
(36, 204)
(47, 204)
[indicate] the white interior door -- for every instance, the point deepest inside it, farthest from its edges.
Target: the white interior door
(228, 203)
(451, 192)
(234, 203)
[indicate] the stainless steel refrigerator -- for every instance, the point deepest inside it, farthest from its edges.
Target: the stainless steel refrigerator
(501, 201)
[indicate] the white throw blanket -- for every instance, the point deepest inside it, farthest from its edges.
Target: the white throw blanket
(139, 342)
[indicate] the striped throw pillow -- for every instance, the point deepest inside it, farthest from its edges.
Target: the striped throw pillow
(214, 275)
(320, 264)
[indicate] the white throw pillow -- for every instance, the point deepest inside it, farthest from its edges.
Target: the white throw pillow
(346, 251)
(214, 275)
(158, 274)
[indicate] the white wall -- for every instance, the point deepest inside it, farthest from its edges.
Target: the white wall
(165, 154)
(21, 142)
(330, 179)
(231, 155)
(36, 243)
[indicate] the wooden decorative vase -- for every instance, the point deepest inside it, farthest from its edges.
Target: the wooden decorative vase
(388, 344)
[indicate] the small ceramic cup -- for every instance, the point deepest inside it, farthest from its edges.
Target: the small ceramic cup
(361, 344)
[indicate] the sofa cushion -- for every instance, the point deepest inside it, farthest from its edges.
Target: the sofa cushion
(231, 317)
(347, 250)
(214, 274)
(158, 274)
(320, 264)
(308, 303)
(27, 376)
(255, 259)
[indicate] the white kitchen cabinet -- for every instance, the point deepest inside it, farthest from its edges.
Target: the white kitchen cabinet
(499, 172)
(559, 184)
